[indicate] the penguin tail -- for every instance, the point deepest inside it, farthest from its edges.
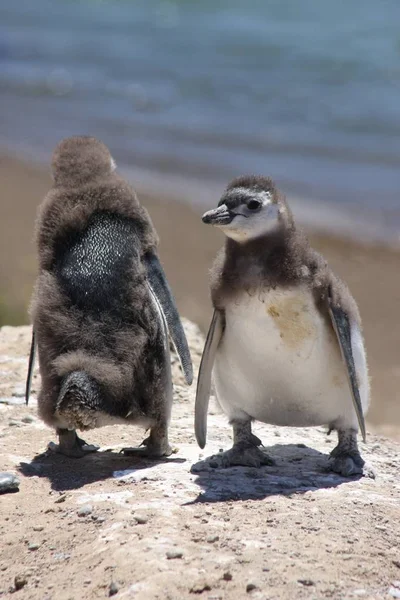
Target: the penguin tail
(80, 401)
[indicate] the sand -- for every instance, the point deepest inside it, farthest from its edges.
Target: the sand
(187, 249)
(169, 530)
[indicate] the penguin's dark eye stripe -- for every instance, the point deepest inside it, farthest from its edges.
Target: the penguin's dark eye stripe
(254, 205)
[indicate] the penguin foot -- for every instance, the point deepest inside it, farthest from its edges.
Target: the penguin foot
(348, 464)
(242, 455)
(346, 459)
(154, 446)
(71, 445)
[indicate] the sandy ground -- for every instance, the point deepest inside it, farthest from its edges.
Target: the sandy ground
(108, 525)
(187, 250)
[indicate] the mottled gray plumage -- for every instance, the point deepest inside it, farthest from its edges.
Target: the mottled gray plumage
(100, 326)
(278, 306)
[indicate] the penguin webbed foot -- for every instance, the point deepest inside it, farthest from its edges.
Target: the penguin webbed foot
(345, 458)
(240, 455)
(70, 444)
(245, 451)
(155, 445)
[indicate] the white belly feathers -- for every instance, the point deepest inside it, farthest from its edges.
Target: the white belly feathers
(279, 362)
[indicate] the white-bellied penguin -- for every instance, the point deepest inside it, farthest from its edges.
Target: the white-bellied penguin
(285, 344)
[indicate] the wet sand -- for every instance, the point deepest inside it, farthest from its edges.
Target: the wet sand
(187, 249)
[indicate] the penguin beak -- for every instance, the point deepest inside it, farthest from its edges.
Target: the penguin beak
(218, 216)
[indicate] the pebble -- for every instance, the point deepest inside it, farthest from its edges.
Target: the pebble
(61, 556)
(199, 588)
(14, 423)
(60, 499)
(396, 563)
(38, 528)
(212, 539)
(8, 483)
(33, 546)
(20, 581)
(394, 592)
(85, 510)
(227, 576)
(140, 519)
(171, 554)
(28, 419)
(113, 589)
(306, 582)
(250, 587)
(101, 519)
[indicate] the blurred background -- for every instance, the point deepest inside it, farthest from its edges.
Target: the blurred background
(188, 94)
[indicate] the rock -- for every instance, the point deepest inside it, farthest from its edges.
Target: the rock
(113, 589)
(60, 499)
(212, 538)
(394, 592)
(250, 587)
(227, 576)
(14, 423)
(8, 483)
(38, 528)
(28, 419)
(85, 510)
(171, 554)
(61, 556)
(199, 588)
(33, 546)
(140, 519)
(20, 581)
(306, 582)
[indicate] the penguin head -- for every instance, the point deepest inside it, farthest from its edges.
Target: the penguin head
(78, 160)
(250, 207)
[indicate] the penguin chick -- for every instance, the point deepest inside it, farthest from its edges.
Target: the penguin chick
(285, 345)
(102, 307)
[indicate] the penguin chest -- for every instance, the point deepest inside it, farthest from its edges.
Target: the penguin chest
(279, 361)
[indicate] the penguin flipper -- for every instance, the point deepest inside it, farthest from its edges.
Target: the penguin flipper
(341, 325)
(204, 380)
(31, 364)
(167, 361)
(162, 291)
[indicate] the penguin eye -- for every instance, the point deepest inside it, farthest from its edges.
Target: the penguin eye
(254, 205)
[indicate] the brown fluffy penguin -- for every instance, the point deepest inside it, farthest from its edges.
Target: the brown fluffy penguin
(285, 345)
(102, 307)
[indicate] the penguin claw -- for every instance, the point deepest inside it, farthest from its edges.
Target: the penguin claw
(240, 456)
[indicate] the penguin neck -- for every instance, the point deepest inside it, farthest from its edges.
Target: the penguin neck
(267, 261)
(262, 247)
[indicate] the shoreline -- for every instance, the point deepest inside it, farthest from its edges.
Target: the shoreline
(187, 249)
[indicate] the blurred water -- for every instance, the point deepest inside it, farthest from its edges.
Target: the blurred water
(308, 92)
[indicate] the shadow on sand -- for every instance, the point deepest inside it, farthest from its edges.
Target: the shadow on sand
(297, 469)
(66, 473)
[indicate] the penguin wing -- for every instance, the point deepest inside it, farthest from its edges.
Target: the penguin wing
(159, 285)
(30, 367)
(204, 380)
(341, 325)
(167, 360)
